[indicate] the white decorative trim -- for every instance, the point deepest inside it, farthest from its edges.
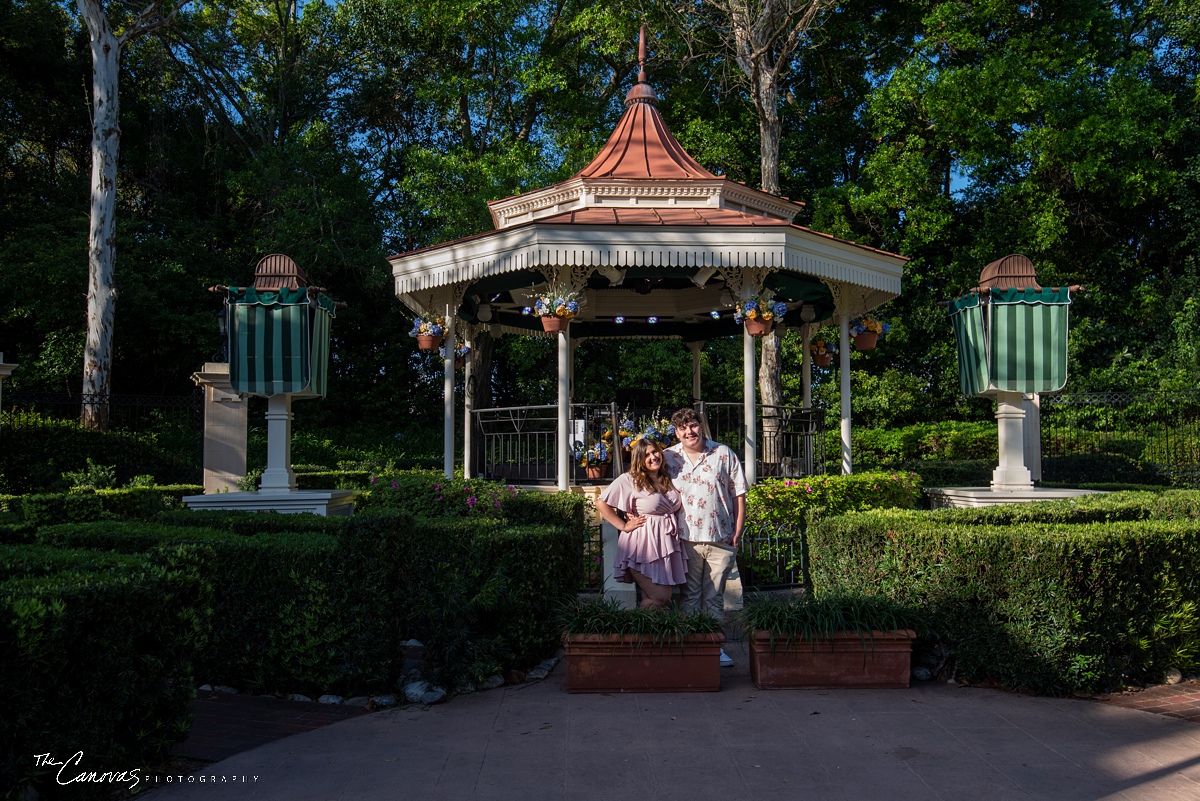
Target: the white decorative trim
(539, 246)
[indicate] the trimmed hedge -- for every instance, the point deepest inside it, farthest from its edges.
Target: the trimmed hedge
(74, 507)
(781, 501)
(327, 608)
(1054, 608)
(96, 662)
(1107, 508)
(145, 502)
(38, 450)
(333, 479)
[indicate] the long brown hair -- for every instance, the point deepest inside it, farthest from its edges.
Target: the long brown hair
(638, 471)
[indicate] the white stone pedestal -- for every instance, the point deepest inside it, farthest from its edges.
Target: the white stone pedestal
(1011, 474)
(329, 503)
(941, 497)
(225, 418)
(278, 476)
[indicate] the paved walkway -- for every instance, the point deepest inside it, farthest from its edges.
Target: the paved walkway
(535, 741)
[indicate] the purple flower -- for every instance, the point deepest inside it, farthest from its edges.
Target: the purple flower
(374, 479)
(394, 485)
(808, 489)
(497, 504)
(439, 497)
(437, 486)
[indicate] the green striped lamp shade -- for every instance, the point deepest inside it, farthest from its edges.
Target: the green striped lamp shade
(1011, 340)
(278, 341)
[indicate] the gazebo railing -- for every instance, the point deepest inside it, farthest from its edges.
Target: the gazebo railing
(791, 439)
(517, 443)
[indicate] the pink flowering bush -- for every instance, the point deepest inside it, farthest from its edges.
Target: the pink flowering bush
(775, 501)
(426, 493)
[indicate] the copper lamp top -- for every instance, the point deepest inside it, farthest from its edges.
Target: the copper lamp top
(1010, 272)
(278, 270)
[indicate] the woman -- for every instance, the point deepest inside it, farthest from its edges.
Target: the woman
(648, 553)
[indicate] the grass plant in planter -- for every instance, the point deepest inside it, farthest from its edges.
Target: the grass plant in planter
(610, 649)
(831, 641)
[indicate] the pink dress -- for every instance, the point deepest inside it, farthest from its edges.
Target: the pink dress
(652, 548)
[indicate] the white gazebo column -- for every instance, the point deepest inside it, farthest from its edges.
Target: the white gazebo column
(806, 366)
(468, 402)
(448, 394)
(564, 409)
(844, 369)
(278, 477)
(696, 348)
(749, 373)
(1011, 474)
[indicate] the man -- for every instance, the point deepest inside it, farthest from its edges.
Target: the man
(712, 486)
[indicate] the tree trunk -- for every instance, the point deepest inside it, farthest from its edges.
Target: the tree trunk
(770, 368)
(106, 146)
(766, 103)
(481, 385)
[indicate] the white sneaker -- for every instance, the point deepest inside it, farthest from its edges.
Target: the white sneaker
(725, 660)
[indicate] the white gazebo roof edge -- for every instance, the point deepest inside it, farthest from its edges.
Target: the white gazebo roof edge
(534, 246)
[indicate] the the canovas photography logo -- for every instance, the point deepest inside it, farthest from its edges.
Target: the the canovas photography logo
(71, 771)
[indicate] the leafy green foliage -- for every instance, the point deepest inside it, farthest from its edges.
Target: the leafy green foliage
(659, 628)
(97, 661)
(812, 619)
(94, 477)
(787, 501)
(1052, 606)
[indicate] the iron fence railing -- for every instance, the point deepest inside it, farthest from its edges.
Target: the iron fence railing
(593, 561)
(517, 443)
(772, 557)
(791, 439)
(174, 422)
(1159, 431)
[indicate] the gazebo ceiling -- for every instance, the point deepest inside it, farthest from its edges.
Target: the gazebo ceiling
(656, 235)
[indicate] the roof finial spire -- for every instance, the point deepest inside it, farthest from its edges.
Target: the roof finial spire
(641, 92)
(642, 55)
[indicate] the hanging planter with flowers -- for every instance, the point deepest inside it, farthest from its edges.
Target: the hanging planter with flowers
(428, 330)
(823, 352)
(556, 307)
(866, 331)
(656, 429)
(595, 460)
(760, 313)
(460, 355)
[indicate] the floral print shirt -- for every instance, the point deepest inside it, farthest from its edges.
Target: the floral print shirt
(709, 490)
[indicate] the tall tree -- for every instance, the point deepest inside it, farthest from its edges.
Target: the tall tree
(106, 46)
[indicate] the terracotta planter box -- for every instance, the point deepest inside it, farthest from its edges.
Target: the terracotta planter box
(845, 661)
(608, 663)
(822, 359)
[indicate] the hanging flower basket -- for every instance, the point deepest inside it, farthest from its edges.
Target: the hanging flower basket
(552, 323)
(758, 327)
(822, 359)
(866, 331)
(429, 341)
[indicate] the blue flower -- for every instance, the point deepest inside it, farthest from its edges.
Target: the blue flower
(670, 431)
(780, 309)
(625, 443)
(628, 425)
(572, 307)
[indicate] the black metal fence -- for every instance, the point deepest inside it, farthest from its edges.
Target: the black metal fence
(1149, 432)
(772, 557)
(791, 439)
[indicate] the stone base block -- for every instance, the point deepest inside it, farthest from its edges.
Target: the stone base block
(318, 502)
(941, 497)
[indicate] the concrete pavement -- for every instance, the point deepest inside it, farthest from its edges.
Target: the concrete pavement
(535, 741)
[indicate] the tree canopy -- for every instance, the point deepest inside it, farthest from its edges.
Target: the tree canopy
(340, 132)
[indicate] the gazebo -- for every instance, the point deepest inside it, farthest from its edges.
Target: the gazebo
(659, 247)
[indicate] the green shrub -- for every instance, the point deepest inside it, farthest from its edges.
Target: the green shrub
(99, 663)
(145, 502)
(95, 476)
(71, 507)
(810, 618)
(16, 533)
(18, 561)
(965, 473)
(781, 501)
(275, 621)
(333, 479)
(1055, 608)
(426, 493)
(660, 627)
(1095, 467)
(38, 450)
(946, 440)
(249, 524)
